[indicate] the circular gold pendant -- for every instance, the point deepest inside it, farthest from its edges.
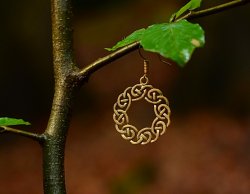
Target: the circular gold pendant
(161, 110)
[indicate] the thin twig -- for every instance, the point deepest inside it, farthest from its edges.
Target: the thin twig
(91, 68)
(213, 10)
(34, 136)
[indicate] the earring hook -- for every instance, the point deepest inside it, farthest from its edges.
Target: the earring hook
(144, 58)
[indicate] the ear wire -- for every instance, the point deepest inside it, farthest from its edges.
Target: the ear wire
(147, 61)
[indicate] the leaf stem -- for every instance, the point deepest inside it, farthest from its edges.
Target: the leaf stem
(34, 136)
(213, 10)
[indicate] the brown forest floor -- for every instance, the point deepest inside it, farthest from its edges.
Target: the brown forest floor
(203, 153)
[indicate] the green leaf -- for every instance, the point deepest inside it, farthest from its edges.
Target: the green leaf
(191, 5)
(135, 36)
(175, 41)
(195, 4)
(5, 121)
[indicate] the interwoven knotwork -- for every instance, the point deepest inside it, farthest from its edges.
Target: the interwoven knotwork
(161, 110)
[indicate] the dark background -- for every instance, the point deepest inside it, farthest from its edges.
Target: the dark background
(206, 149)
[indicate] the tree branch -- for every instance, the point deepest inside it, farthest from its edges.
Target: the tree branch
(214, 10)
(96, 65)
(34, 136)
(99, 63)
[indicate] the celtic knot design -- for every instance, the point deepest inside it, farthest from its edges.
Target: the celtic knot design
(161, 110)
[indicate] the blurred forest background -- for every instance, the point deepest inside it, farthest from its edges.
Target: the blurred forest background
(206, 148)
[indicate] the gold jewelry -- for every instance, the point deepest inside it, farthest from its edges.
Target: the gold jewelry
(151, 95)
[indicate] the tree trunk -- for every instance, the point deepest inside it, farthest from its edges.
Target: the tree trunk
(66, 84)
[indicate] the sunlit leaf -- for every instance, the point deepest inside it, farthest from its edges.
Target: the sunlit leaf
(175, 41)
